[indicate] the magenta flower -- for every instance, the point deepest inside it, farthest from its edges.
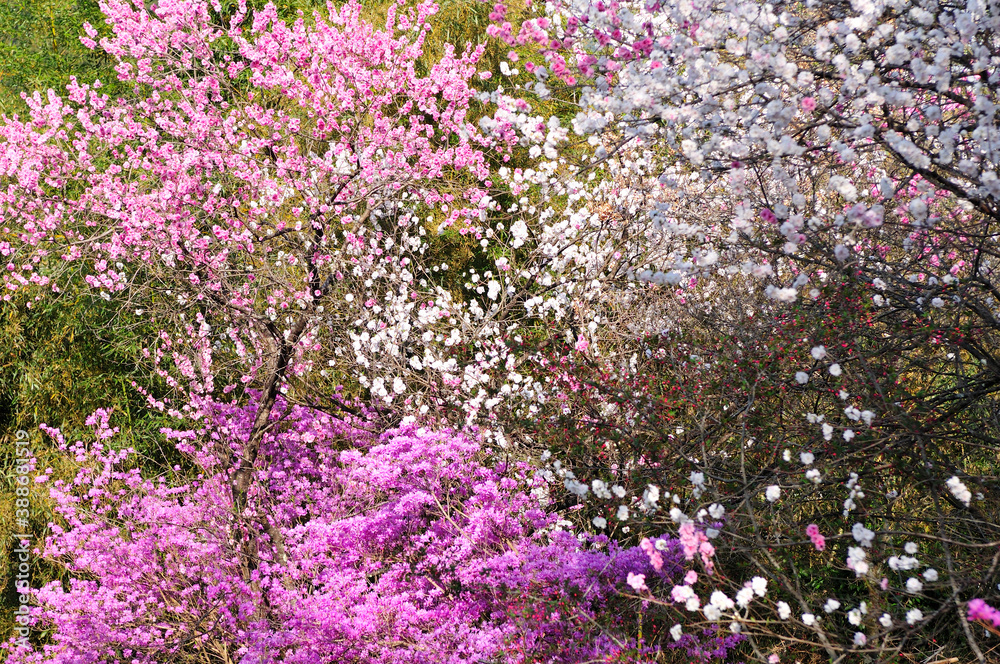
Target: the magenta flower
(400, 547)
(980, 610)
(812, 530)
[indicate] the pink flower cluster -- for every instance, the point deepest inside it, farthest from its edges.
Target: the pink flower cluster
(980, 610)
(812, 530)
(694, 541)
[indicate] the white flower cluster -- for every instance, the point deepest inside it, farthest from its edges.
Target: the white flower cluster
(959, 490)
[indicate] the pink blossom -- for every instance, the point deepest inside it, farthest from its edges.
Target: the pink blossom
(980, 610)
(655, 558)
(637, 581)
(812, 530)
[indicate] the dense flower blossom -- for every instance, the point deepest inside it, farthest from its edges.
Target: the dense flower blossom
(392, 547)
(279, 184)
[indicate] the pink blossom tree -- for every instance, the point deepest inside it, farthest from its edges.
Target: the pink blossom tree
(261, 169)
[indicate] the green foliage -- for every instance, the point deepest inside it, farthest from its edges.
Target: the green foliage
(64, 357)
(40, 48)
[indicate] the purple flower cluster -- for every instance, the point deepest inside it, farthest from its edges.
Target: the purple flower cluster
(406, 546)
(980, 610)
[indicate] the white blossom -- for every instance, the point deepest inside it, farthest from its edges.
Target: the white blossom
(862, 535)
(959, 490)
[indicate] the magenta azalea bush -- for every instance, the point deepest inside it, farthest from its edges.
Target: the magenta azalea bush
(404, 546)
